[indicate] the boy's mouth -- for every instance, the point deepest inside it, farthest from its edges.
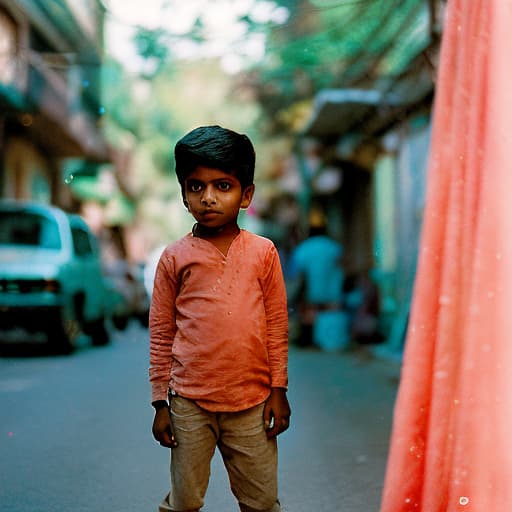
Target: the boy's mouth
(210, 213)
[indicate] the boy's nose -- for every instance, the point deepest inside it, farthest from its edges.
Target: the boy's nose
(209, 196)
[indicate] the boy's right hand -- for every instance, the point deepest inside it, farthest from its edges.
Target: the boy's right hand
(163, 431)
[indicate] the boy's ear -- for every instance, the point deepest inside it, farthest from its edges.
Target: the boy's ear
(247, 196)
(184, 197)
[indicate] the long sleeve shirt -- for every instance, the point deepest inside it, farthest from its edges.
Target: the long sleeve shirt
(219, 323)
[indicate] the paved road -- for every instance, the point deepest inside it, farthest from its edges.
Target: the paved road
(75, 433)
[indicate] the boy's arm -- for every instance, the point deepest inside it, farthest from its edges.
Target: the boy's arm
(276, 413)
(163, 430)
(162, 329)
(276, 311)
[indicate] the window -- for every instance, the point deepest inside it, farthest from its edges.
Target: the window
(81, 242)
(26, 228)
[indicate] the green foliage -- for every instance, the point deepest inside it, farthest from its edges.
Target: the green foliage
(339, 43)
(117, 97)
(152, 45)
(324, 43)
(149, 116)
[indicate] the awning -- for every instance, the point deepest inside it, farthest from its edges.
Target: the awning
(337, 112)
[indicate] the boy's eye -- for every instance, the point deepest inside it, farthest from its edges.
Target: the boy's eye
(224, 186)
(194, 187)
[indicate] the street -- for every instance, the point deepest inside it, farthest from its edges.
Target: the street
(75, 433)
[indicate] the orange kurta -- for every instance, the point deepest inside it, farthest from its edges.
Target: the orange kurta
(219, 323)
(451, 446)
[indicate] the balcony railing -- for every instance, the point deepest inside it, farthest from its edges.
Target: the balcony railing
(55, 98)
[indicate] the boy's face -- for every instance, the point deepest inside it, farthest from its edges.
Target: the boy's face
(214, 197)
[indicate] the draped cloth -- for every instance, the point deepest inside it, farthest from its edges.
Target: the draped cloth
(451, 442)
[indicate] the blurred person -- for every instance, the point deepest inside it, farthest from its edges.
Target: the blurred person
(318, 274)
(219, 333)
(362, 302)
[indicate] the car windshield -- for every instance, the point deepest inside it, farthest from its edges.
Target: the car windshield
(29, 228)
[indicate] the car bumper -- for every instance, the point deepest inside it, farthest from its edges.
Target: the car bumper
(33, 319)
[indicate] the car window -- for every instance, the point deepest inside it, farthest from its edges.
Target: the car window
(81, 242)
(29, 228)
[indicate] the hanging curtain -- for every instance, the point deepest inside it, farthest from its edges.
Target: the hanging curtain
(451, 443)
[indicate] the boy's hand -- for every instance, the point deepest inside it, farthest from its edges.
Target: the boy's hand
(163, 431)
(276, 413)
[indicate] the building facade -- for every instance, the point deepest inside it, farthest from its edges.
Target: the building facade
(50, 96)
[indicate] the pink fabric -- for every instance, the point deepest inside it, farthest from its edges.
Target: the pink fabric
(219, 324)
(451, 446)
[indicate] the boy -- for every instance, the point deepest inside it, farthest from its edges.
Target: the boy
(219, 333)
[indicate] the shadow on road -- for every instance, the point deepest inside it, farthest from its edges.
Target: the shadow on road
(19, 344)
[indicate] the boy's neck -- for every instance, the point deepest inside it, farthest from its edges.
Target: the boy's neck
(219, 237)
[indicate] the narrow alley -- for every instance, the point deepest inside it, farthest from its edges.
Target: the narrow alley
(76, 432)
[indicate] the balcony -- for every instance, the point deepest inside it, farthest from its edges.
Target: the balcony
(58, 117)
(43, 86)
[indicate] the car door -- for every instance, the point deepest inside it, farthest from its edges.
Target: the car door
(89, 267)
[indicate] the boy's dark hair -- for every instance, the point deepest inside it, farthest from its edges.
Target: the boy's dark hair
(218, 148)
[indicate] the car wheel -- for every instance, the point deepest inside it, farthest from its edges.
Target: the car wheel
(120, 322)
(143, 319)
(98, 332)
(62, 333)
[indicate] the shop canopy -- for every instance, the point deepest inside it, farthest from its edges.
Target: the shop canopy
(386, 54)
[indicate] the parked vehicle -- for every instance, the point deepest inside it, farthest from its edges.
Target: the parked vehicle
(149, 268)
(50, 275)
(130, 298)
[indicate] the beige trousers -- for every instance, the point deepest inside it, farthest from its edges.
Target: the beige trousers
(249, 457)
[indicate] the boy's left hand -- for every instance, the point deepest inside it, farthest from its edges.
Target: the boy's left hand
(276, 413)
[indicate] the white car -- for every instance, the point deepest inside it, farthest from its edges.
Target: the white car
(130, 297)
(50, 275)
